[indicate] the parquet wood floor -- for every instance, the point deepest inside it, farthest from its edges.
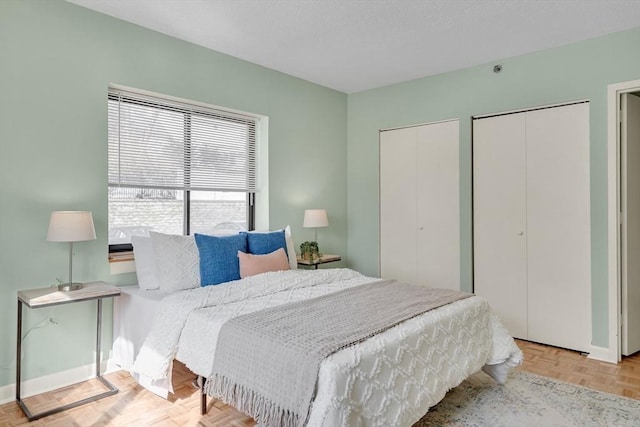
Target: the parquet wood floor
(135, 406)
(622, 379)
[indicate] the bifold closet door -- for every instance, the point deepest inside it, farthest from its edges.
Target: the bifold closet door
(559, 226)
(420, 204)
(532, 227)
(499, 218)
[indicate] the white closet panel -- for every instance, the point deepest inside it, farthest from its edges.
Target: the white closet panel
(499, 195)
(559, 226)
(398, 186)
(419, 205)
(438, 205)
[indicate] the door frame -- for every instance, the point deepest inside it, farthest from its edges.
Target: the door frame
(614, 352)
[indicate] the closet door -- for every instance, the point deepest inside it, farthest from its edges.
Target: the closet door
(398, 187)
(438, 205)
(419, 205)
(559, 226)
(499, 218)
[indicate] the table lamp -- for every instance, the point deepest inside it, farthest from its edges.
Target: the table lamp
(70, 226)
(314, 218)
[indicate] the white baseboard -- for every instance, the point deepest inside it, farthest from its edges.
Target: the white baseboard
(53, 381)
(602, 353)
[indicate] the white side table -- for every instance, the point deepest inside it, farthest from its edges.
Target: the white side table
(47, 297)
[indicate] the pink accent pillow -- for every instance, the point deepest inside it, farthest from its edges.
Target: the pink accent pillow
(250, 265)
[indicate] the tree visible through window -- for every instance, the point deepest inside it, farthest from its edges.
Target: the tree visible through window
(178, 168)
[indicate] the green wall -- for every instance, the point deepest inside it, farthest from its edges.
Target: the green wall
(578, 71)
(56, 61)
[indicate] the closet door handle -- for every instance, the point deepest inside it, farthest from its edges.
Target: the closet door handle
(521, 233)
(420, 228)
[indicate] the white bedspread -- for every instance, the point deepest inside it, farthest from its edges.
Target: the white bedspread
(390, 379)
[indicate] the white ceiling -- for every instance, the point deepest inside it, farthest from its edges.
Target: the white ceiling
(354, 45)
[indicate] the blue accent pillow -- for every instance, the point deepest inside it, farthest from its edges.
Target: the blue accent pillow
(219, 257)
(264, 243)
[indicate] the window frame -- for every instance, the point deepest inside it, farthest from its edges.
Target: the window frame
(115, 92)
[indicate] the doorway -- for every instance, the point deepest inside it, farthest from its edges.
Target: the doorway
(630, 223)
(624, 219)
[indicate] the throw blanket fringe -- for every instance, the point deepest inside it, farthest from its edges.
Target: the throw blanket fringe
(245, 400)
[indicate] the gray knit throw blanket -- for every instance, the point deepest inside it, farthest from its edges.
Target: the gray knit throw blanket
(266, 363)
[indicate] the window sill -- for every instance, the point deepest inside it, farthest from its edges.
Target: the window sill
(121, 256)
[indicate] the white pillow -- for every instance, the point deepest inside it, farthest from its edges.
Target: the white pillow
(145, 260)
(177, 261)
(291, 248)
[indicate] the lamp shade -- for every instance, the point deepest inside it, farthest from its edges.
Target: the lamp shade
(315, 218)
(71, 226)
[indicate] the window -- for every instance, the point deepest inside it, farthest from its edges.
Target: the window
(177, 167)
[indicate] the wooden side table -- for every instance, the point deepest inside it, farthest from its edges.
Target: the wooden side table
(325, 258)
(47, 297)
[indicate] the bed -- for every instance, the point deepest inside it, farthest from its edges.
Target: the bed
(391, 378)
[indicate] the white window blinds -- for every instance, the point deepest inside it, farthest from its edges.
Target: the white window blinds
(166, 144)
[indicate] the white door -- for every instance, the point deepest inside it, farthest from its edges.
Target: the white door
(499, 222)
(630, 254)
(398, 237)
(438, 205)
(419, 205)
(559, 226)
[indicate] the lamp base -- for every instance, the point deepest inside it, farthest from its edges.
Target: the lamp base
(66, 287)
